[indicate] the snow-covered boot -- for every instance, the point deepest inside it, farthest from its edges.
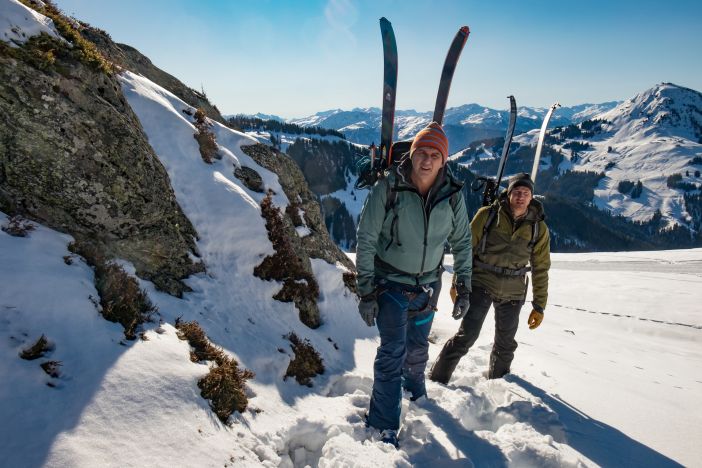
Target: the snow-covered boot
(389, 436)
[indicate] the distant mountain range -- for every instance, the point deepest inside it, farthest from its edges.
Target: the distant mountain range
(654, 138)
(463, 124)
(617, 175)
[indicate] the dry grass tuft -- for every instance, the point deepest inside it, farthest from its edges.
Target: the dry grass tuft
(121, 298)
(205, 138)
(82, 49)
(225, 383)
(202, 348)
(224, 386)
(17, 226)
(307, 362)
(37, 350)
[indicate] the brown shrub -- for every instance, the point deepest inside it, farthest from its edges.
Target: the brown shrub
(121, 298)
(224, 384)
(37, 350)
(307, 362)
(17, 226)
(202, 348)
(205, 138)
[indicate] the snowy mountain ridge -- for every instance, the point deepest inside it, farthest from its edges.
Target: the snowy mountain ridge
(362, 125)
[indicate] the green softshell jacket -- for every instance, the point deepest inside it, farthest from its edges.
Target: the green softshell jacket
(408, 239)
(507, 246)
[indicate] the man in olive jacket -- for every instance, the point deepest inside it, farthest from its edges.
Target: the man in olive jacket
(510, 238)
(406, 219)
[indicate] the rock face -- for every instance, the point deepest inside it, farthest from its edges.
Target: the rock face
(73, 156)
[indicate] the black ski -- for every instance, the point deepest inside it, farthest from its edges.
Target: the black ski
(491, 186)
(389, 90)
(447, 73)
(370, 168)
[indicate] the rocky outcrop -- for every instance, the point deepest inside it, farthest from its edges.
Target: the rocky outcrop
(74, 157)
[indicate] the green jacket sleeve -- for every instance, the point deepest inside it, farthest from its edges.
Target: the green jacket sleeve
(540, 264)
(460, 241)
(369, 227)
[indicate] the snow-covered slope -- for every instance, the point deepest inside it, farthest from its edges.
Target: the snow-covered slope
(18, 23)
(609, 379)
(649, 137)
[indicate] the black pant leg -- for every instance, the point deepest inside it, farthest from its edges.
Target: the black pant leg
(457, 346)
(506, 324)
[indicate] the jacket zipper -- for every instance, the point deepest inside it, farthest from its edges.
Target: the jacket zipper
(426, 218)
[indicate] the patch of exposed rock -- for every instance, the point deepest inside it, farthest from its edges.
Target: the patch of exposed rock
(74, 157)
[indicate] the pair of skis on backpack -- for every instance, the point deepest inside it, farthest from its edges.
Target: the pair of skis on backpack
(389, 153)
(491, 186)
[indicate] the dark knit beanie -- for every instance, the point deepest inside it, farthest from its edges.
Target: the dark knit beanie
(520, 180)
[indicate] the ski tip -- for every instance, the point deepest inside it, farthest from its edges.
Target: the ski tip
(465, 30)
(384, 19)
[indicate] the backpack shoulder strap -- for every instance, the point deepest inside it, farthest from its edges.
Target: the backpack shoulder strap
(391, 196)
(534, 235)
(488, 223)
(454, 200)
(391, 204)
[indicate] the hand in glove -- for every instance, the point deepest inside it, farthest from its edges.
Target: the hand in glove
(535, 319)
(462, 302)
(368, 308)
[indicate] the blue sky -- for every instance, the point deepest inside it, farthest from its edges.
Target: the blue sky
(294, 58)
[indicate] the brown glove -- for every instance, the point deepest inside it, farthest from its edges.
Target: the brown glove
(535, 319)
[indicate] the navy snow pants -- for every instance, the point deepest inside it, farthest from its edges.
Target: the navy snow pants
(404, 321)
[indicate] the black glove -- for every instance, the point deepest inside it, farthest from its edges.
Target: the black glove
(462, 304)
(368, 308)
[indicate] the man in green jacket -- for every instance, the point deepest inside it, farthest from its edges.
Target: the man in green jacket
(406, 219)
(510, 238)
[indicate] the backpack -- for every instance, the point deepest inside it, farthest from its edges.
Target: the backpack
(371, 168)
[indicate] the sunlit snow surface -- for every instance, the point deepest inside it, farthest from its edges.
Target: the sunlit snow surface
(612, 377)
